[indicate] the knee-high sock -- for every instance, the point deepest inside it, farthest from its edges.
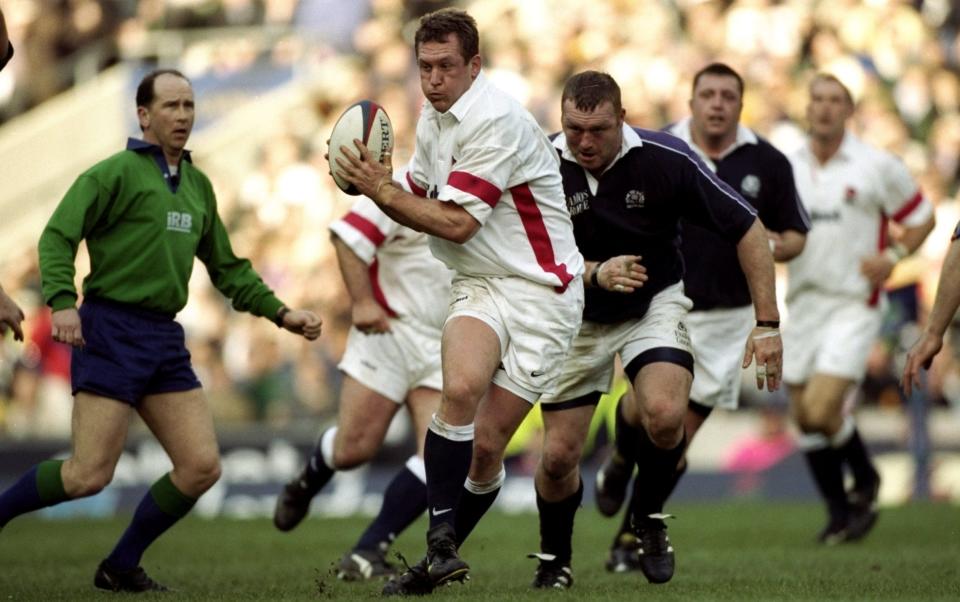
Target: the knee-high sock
(320, 467)
(556, 525)
(403, 502)
(39, 487)
(159, 510)
(656, 476)
(851, 450)
(447, 454)
(475, 500)
(625, 435)
(626, 525)
(826, 467)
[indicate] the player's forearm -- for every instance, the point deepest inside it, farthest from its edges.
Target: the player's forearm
(948, 293)
(791, 244)
(756, 261)
(913, 236)
(355, 273)
(443, 219)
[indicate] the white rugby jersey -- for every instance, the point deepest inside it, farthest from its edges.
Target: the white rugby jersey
(849, 201)
(488, 155)
(407, 280)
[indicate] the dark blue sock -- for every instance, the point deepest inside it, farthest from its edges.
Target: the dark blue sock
(403, 502)
(556, 525)
(447, 463)
(472, 507)
(39, 487)
(159, 509)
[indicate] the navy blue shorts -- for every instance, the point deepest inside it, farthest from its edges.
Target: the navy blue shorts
(130, 353)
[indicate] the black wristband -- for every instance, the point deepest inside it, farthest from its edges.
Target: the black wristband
(595, 275)
(278, 319)
(768, 323)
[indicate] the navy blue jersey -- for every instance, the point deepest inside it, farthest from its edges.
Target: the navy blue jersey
(635, 208)
(763, 176)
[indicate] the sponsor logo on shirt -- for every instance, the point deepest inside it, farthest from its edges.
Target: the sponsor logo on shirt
(750, 186)
(825, 216)
(682, 335)
(634, 199)
(850, 195)
(179, 222)
(578, 202)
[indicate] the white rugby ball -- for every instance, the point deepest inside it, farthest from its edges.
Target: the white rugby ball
(365, 121)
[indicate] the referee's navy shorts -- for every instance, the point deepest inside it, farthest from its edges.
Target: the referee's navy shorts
(130, 353)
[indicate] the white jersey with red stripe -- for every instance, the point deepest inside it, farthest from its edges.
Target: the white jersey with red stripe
(489, 155)
(850, 199)
(407, 280)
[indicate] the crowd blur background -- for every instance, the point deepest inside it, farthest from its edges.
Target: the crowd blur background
(899, 58)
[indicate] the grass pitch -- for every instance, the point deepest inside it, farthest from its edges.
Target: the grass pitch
(725, 551)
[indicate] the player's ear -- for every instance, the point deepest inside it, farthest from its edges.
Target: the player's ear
(143, 116)
(475, 64)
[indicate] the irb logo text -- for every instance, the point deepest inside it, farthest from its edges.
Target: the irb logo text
(179, 222)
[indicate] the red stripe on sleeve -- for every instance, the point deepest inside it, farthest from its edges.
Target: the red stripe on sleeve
(378, 295)
(478, 187)
(908, 207)
(537, 234)
(365, 227)
(413, 186)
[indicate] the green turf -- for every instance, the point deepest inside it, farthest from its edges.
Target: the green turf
(724, 552)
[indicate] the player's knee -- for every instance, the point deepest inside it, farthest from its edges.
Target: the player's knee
(89, 482)
(461, 391)
(664, 420)
(201, 474)
(816, 421)
(487, 456)
(560, 459)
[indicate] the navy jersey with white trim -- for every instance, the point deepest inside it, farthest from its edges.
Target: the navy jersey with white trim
(764, 178)
(635, 208)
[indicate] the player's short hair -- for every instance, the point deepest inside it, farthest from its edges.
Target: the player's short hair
(436, 26)
(587, 90)
(145, 90)
(829, 77)
(720, 69)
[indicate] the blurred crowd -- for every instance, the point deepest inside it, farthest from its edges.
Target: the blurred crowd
(900, 59)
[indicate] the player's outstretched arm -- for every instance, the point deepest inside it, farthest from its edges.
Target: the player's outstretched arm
(300, 321)
(944, 307)
(764, 344)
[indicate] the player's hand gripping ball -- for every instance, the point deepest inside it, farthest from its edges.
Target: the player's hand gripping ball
(365, 121)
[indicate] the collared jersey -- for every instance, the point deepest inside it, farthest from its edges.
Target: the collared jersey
(142, 232)
(763, 177)
(407, 280)
(850, 199)
(635, 208)
(488, 155)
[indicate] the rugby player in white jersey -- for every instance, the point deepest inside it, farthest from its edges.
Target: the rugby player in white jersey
(850, 190)
(398, 291)
(486, 187)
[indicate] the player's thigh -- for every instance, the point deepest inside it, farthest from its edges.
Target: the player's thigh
(422, 404)
(470, 353)
(498, 417)
(364, 418)
(99, 431)
(183, 424)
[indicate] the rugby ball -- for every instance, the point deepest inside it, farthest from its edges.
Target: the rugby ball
(365, 121)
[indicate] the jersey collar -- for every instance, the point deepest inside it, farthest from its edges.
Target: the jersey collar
(460, 108)
(681, 130)
(144, 147)
(630, 140)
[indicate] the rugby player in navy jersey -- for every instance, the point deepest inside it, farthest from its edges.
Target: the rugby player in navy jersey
(722, 314)
(627, 191)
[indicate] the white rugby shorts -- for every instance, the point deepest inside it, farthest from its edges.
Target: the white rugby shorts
(719, 337)
(827, 334)
(590, 365)
(535, 324)
(396, 362)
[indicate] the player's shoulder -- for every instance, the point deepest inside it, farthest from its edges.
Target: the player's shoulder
(664, 146)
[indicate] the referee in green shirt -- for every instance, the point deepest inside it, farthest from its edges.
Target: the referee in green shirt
(145, 213)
